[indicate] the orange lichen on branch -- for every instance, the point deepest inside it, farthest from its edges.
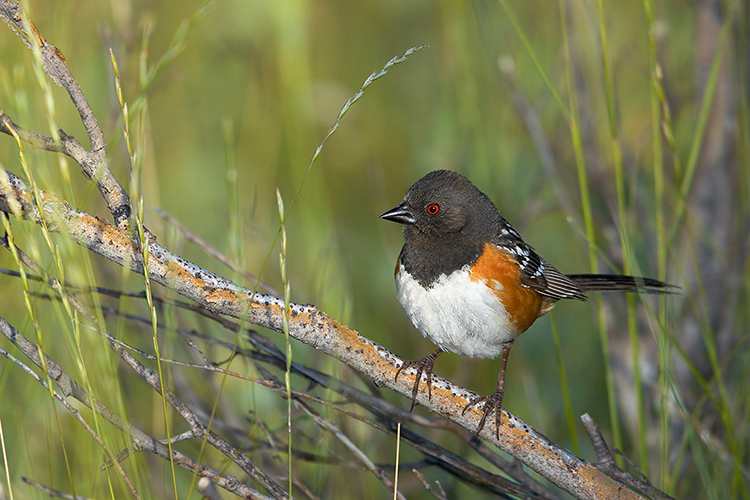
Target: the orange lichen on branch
(313, 327)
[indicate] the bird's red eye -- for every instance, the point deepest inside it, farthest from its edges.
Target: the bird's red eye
(433, 209)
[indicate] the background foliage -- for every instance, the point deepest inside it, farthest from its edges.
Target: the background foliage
(229, 101)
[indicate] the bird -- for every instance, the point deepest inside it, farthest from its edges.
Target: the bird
(469, 283)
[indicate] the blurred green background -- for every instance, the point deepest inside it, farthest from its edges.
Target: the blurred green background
(250, 90)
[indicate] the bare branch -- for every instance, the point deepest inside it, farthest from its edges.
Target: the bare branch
(199, 429)
(223, 298)
(53, 493)
(7, 329)
(440, 495)
(95, 163)
(316, 329)
(355, 452)
(386, 412)
(213, 252)
(141, 440)
(608, 465)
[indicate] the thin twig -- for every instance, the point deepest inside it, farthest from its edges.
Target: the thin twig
(356, 453)
(93, 162)
(141, 440)
(133, 492)
(213, 252)
(440, 495)
(608, 465)
(313, 327)
(53, 493)
(306, 323)
(373, 404)
(151, 377)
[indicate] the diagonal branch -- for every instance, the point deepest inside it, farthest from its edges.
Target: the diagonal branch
(141, 440)
(198, 428)
(223, 297)
(385, 412)
(315, 328)
(94, 162)
(608, 465)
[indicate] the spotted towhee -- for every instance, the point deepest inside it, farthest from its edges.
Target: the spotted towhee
(470, 284)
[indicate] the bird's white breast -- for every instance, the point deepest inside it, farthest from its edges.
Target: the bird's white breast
(457, 313)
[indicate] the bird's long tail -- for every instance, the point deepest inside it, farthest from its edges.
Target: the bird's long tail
(617, 283)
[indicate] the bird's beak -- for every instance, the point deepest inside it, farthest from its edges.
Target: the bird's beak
(400, 214)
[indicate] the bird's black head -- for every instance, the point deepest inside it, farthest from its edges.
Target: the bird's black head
(445, 204)
(447, 221)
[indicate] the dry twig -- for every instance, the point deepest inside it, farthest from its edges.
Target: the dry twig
(219, 297)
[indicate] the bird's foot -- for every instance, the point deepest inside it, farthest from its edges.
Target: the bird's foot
(424, 365)
(492, 403)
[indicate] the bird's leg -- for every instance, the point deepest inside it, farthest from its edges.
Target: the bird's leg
(493, 402)
(423, 365)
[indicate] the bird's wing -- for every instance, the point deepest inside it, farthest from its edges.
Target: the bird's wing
(536, 273)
